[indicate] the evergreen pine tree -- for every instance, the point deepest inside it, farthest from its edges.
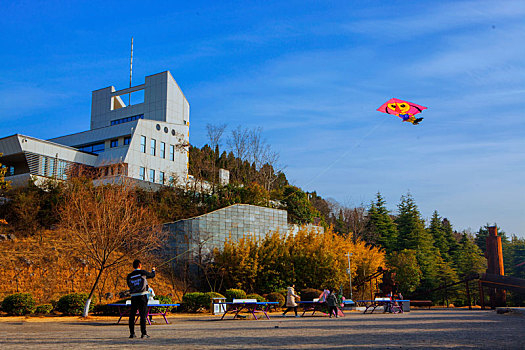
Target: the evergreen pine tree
(408, 274)
(413, 235)
(380, 228)
(437, 231)
(450, 238)
(469, 257)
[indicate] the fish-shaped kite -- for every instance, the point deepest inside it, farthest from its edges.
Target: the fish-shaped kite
(403, 109)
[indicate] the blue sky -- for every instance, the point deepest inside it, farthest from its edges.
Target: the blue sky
(312, 74)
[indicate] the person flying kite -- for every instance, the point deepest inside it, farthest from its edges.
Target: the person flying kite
(403, 109)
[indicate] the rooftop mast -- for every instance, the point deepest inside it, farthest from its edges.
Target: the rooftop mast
(130, 71)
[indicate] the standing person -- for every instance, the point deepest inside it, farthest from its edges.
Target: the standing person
(138, 285)
(332, 302)
(290, 300)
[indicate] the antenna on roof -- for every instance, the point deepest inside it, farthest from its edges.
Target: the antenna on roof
(130, 71)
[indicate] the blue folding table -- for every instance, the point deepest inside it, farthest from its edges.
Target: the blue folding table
(123, 310)
(253, 307)
(393, 306)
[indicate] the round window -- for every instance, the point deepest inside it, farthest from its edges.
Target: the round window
(173, 132)
(158, 126)
(166, 129)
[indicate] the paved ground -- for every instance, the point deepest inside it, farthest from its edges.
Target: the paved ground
(417, 329)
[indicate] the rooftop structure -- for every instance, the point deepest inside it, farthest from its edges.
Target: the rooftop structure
(148, 140)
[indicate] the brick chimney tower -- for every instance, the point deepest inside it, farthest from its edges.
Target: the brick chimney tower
(494, 255)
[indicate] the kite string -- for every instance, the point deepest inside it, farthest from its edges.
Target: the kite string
(312, 180)
(344, 154)
(181, 254)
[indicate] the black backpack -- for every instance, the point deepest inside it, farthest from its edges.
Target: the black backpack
(136, 284)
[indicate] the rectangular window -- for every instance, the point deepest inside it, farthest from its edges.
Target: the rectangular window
(97, 148)
(61, 170)
(127, 119)
(152, 175)
(172, 152)
(143, 144)
(43, 166)
(162, 150)
(161, 177)
(94, 148)
(142, 173)
(114, 143)
(127, 140)
(11, 171)
(171, 181)
(51, 168)
(153, 146)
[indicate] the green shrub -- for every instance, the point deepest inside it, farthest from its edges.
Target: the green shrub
(44, 309)
(235, 294)
(276, 296)
(214, 295)
(310, 294)
(19, 304)
(256, 297)
(107, 310)
(192, 302)
(163, 299)
(73, 304)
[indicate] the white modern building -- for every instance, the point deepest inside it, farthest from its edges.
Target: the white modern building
(148, 140)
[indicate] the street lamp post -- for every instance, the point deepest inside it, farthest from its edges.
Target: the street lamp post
(349, 271)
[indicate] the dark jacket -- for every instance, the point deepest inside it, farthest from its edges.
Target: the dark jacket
(138, 283)
(332, 300)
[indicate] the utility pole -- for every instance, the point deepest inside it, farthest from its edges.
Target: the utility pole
(349, 271)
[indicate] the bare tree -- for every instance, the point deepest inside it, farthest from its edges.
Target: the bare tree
(270, 168)
(108, 225)
(355, 218)
(239, 142)
(215, 134)
(249, 145)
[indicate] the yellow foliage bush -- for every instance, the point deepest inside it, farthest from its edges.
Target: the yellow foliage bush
(308, 258)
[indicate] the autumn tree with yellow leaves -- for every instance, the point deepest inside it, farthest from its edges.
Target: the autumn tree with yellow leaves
(308, 259)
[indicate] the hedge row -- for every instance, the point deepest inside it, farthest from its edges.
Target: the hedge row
(73, 304)
(20, 304)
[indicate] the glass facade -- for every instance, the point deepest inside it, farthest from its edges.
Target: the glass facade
(212, 229)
